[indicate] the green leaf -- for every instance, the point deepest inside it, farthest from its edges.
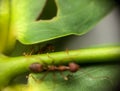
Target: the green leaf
(91, 78)
(73, 17)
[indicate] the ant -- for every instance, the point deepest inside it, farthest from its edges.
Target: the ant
(45, 49)
(37, 67)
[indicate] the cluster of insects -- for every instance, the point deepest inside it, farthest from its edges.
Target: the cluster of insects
(37, 67)
(72, 66)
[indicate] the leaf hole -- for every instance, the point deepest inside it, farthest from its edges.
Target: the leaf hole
(49, 11)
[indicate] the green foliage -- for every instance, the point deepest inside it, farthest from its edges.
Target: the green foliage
(94, 78)
(24, 20)
(73, 17)
(18, 20)
(91, 78)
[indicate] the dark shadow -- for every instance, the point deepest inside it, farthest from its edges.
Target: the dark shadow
(118, 2)
(49, 11)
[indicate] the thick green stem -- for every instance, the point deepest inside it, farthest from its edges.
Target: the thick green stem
(11, 67)
(7, 34)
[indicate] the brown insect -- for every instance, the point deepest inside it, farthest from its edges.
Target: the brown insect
(37, 67)
(45, 49)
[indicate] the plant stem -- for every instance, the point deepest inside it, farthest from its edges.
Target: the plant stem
(7, 34)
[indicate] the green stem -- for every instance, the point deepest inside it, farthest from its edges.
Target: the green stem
(7, 34)
(11, 67)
